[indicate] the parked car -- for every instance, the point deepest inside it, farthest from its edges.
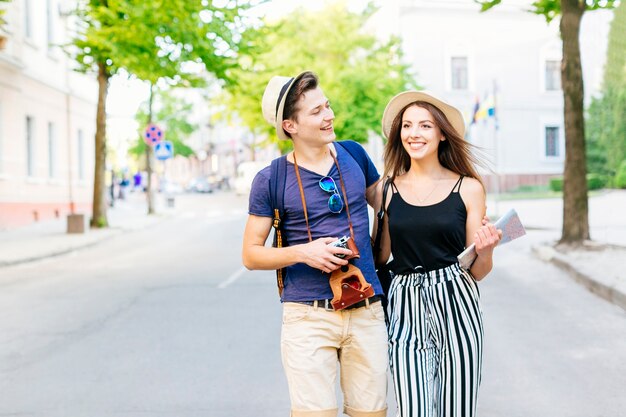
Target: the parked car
(200, 185)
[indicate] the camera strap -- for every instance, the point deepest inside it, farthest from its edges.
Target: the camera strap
(343, 191)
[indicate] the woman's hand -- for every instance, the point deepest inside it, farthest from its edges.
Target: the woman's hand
(486, 239)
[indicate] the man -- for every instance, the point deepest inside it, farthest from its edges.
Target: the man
(315, 336)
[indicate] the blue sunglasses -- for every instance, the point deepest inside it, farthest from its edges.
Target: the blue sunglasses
(335, 204)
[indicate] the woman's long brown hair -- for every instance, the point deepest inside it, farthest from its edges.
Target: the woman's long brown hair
(454, 153)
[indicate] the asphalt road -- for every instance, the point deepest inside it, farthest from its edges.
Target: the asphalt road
(166, 322)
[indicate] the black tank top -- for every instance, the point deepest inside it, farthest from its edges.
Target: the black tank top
(427, 236)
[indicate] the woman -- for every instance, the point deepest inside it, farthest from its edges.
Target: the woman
(434, 209)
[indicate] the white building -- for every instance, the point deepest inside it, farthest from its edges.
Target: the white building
(461, 55)
(47, 118)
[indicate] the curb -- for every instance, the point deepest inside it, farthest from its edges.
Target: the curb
(111, 232)
(607, 292)
(4, 264)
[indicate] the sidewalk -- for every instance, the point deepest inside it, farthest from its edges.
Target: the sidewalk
(49, 238)
(598, 264)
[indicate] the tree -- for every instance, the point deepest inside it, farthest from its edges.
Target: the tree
(357, 71)
(606, 133)
(152, 40)
(575, 201)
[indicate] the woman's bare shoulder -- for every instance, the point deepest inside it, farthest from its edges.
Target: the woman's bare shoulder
(472, 185)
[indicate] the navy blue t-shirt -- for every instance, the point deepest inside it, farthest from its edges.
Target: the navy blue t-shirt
(302, 282)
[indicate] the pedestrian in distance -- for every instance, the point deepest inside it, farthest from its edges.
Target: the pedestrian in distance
(327, 187)
(434, 209)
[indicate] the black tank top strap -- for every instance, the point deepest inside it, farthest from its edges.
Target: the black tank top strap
(394, 189)
(457, 185)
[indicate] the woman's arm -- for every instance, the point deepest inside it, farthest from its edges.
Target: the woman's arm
(484, 236)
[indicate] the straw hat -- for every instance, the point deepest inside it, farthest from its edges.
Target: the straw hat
(397, 103)
(273, 103)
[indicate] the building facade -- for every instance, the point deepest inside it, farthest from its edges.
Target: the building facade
(47, 118)
(502, 68)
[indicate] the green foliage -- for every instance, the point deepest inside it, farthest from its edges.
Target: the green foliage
(606, 124)
(620, 178)
(556, 184)
(594, 182)
(358, 73)
(550, 9)
(100, 223)
(158, 39)
(173, 117)
(606, 131)
(615, 68)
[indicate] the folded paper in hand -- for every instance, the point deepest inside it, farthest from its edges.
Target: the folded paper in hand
(511, 227)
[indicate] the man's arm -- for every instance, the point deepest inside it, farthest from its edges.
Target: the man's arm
(317, 254)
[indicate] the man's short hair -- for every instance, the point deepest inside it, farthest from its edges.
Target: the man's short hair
(306, 82)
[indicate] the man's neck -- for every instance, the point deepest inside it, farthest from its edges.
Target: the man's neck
(314, 158)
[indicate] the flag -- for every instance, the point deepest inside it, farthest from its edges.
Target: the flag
(484, 109)
(475, 113)
(490, 106)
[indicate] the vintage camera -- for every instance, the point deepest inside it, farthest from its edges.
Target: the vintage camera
(342, 242)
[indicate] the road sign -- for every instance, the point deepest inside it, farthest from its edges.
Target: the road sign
(153, 134)
(163, 150)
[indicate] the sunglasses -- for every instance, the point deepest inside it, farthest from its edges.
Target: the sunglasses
(335, 204)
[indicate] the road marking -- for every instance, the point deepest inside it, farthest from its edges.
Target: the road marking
(231, 279)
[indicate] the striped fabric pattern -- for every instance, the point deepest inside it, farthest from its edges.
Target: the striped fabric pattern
(435, 343)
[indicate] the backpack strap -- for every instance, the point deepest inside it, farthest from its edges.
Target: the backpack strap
(357, 152)
(278, 177)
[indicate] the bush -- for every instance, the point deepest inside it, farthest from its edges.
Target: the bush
(556, 184)
(594, 182)
(620, 177)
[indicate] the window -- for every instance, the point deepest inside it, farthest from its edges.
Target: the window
(552, 149)
(553, 75)
(52, 151)
(28, 20)
(30, 146)
(49, 23)
(81, 154)
(458, 71)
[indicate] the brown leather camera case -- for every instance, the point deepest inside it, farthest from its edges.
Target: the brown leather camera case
(349, 287)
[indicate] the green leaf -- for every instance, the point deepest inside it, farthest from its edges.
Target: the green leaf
(358, 72)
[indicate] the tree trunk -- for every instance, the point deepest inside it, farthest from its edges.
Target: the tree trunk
(575, 204)
(99, 209)
(150, 158)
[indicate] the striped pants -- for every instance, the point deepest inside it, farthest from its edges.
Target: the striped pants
(435, 343)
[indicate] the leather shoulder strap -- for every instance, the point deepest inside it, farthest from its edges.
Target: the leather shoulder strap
(380, 215)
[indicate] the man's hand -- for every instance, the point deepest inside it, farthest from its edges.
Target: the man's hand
(320, 255)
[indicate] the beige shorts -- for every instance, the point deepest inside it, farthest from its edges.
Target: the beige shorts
(313, 340)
